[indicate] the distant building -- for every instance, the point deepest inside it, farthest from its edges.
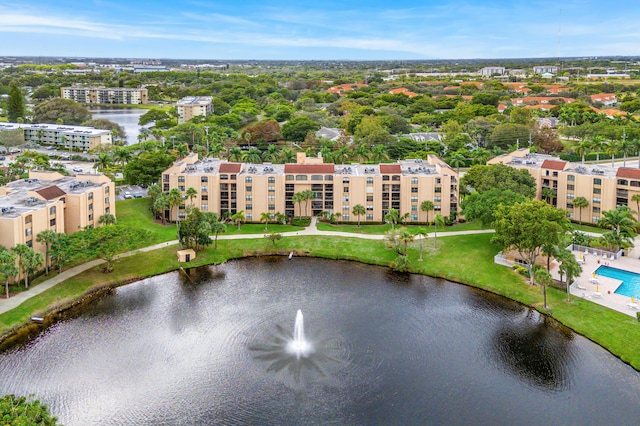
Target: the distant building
(105, 95)
(489, 71)
(329, 133)
(80, 138)
(606, 99)
(192, 106)
(424, 136)
(544, 69)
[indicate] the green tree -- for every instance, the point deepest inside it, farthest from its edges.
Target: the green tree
(456, 160)
(421, 233)
(8, 268)
(265, 218)
(543, 277)
(437, 221)
(161, 204)
(621, 222)
(147, 167)
(15, 105)
(405, 238)
(358, 210)
(191, 193)
(427, 206)
(28, 260)
(122, 155)
(238, 218)
(392, 217)
(569, 267)
(527, 226)
(104, 124)
(482, 205)
(103, 162)
(218, 228)
(636, 199)
(107, 219)
(274, 237)
(174, 198)
(486, 177)
(47, 237)
(298, 198)
(67, 110)
(107, 241)
(580, 203)
(22, 411)
(296, 129)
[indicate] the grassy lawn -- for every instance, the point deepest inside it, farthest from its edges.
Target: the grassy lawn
(588, 228)
(617, 332)
(381, 229)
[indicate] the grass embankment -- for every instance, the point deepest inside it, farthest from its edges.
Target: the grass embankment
(466, 259)
(381, 229)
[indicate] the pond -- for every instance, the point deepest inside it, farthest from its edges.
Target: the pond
(127, 118)
(205, 347)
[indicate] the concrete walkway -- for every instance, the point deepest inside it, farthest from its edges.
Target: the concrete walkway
(312, 229)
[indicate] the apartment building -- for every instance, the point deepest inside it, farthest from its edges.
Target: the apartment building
(105, 95)
(489, 71)
(225, 187)
(603, 186)
(49, 200)
(192, 106)
(545, 69)
(79, 138)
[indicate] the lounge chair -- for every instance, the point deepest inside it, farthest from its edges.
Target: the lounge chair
(597, 294)
(580, 287)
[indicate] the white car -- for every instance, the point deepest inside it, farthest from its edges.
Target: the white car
(127, 195)
(78, 169)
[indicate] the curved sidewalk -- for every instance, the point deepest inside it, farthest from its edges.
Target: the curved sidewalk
(15, 301)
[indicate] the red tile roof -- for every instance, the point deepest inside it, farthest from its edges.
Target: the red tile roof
(553, 165)
(390, 168)
(628, 172)
(230, 167)
(309, 168)
(51, 192)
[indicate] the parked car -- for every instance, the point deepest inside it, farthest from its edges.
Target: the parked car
(127, 195)
(78, 169)
(137, 195)
(2, 157)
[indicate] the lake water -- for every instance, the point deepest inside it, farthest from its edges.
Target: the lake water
(389, 349)
(126, 118)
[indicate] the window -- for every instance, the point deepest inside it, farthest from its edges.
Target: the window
(288, 177)
(437, 199)
(106, 189)
(52, 222)
(414, 199)
(414, 217)
(345, 180)
(385, 177)
(204, 207)
(27, 232)
(233, 177)
(569, 205)
(106, 200)
(596, 201)
(90, 217)
(272, 207)
(204, 189)
(249, 216)
(205, 198)
(272, 198)
(571, 178)
(570, 187)
(414, 208)
(204, 179)
(248, 188)
(328, 177)
(623, 182)
(90, 196)
(182, 216)
(301, 177)
(414, 190)
(570, 196)
(316, 177)
(272, 189)
(91, 207)
(52, 210)
(249, 198)
(180, 179)
(596, 209)
(369, 181)
(369, 198)
(438, 180)
(345, 217)
(437, 208)
(249, 206)
(248, 179)
(345, 199)
(29, 243)
(597, 191)
(395, 178)
(271, 180)
(369, 207)
(414, 180)
(165, 187)
(555, 174)
(597, 181)
(438, 189)
(27, 219)
(225, 177)
(181, 188)
(369, 217)
(345, 207)
(345, 189)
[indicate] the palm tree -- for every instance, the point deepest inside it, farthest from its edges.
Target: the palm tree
(153, 191)
(427, 206)
(161, 204)
(548, 194)
(597, 145)
(191, 193)
(216, 149)
(174, 199)
(218, 227)
(379, 153)
(287, 155)
(107, 219)
(235, 154)
(266, 218)
(47, 237)
(238, 218)
(8, 267)
(583, 147)
(182, 150)
(636, 199)
(307, 195)
(103, 162)
(122, 155)
(580, 203)
(28, 260)
(480, 156)
(252, 156)
(569, 266)
(437, 221)
(422, 232)
(625, 146)
(543, 277)
(271, 154)
(392, 217)
(612, 148)
(358, 210)
(361, 153)
(298, 198)
(456, 160)
(621, 221)
(405, 238)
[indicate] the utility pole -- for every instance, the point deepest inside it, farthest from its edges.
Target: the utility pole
(206, 130)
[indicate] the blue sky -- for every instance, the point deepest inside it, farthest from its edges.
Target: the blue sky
(241, 29)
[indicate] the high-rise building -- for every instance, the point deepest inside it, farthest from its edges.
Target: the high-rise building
(105, 95)
(192, 106)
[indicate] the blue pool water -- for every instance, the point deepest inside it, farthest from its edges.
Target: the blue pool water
(630, 280)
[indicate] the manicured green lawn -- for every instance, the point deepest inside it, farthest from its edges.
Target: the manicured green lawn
(381, 229)
(587, 228)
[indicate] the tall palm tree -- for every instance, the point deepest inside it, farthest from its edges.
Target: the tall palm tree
(235, 154)
(238, 218)
(287, 155)
(620, 221)
(103, 162)
(298, 198)
(122, 155)
(47, 237)
(392, 217)
(625, 147)
(191, 193)
(583, 148)
(358, 210)
(218, 227)
(427, 206)
(307, 195)
(8, 268)
(160, 204)
(405, 238)
(580, 203)
(182, 150)
(265, 217)
(437, 221)
(107, 219)
(379, 153)
(272, 153)
(543, 277)
(456, 160)
(361, 153)
(612, 148)
(597, 145)
(216, 149)
(174, 199)
(252, 156)
(422, 232)
(480, 156)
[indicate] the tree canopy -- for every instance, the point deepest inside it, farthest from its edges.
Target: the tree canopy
(483, 178)
(65, 110)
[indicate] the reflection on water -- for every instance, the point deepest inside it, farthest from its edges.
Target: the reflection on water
(126, 118)
(208, 346)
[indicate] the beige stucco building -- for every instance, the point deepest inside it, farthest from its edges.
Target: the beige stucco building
(605, 187)
(258, 188)
(193, 106)
(106, 95)
(80, 138)
(51, 201)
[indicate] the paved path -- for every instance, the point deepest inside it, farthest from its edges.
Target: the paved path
(312, 229)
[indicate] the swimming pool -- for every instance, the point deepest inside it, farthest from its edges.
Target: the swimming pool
(630, 280)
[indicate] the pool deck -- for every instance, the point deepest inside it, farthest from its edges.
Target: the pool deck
(585, 285)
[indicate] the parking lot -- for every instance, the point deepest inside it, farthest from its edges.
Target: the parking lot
(126, 192)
